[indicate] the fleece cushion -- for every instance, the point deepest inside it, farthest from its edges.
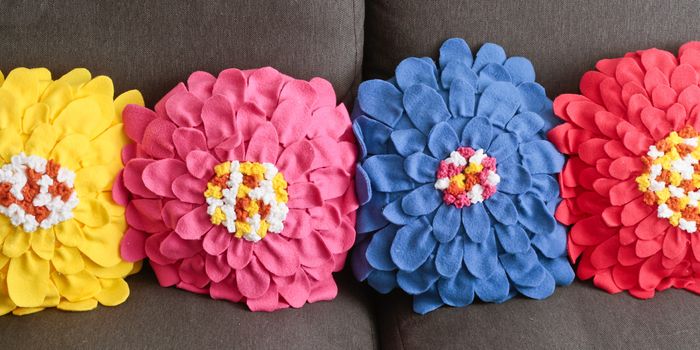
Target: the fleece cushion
(631, 185)
(60, 142)
(458, 186)
(239, 186)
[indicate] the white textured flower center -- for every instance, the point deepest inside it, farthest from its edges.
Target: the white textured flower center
(36, 193)
(467, 177)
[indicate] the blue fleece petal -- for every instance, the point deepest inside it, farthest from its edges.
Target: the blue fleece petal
(360, 138)
(360, 267)
(374, 134)
(493, 289)
(412, 245)
(533, 97)
(446, 223)
(387, 174)
(490, 74)
(421, 201)
(462, 98)
(458, 290)
(560, 269)
(540, 157)
(381, 100)
(513, 238)
(477, 133)
(456, 71)
(449, 257)
(533, 214)
(382, 281)
(425, 107)
(524, 269)
(552, 245)
(503, 146)
(489, 53)
(408, 141)
(394, 213)
(481, 258)
(369, 217)
(428, 301)
(413, 71)
(550, 121)
(421, 167)
(363, 185)
(378, 250)
(520, 69)
(515, 179)
(499, 102)
(544, 186)
(541, 291)
(455, 50)
(476, 222)
(442, 140)
(525, 124)
(502, 208)
(420, 280)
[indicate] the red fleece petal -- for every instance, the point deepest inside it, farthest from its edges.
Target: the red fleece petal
(605, 254)
(624, 167)
(690, 97)
(651, 227)
(683, 76)
(590, 231)
(677, 116)
(625, 277)
(604, 281)
(648, 248)
(634, 211)
(624, 192)
(592, 150)
(655, 121)
(675, 243)
(652, 272)
(583, 114)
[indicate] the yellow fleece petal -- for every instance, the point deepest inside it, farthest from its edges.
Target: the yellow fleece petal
(10, 144)
(137, 267)
(81, 116)
(24, 311)
(68, 260)
(114, 292)
(130, 97)
(116, 211)
(101, 244)
(27, 278)
(83, 305)
(123, 269)
(106, 148)
(41, 141)
(2, 78)
(57, 96)
(69, 151)
(69, 233)
(6, 305)
(35, 115)
(3, 261)
(4, 222)
(10, 112)
(91, 213)
(43, 243)
(76, 77)
(52, 297)
(41, 73)
(23, 85)
(100, 85)
(76, 287)
(16, 243)
(93, 179)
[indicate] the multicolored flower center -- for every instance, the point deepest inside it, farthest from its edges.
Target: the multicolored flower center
(467, 177)
(671, 178)
(249, 199)
(36, 193)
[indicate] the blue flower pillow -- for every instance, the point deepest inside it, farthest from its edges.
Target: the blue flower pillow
(458, 182)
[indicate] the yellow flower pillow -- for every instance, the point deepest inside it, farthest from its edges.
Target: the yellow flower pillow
(60, 144)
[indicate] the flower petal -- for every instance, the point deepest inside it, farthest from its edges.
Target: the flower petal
(502, 208)
(533, 214)
(477, 133)
(184, 109)
(420, 280)
(187, 140)
(194, 224)
(385, 173)
(159, 176)
(494, 288)
(541, 157)
(381, 100)
(421, 167)
(415, 71)
(476, 222)
(459, 290)
(296, 160)
(408, 141)
(424, 107)
(290, 118)
(421, 201)
(264, 144)
(216, 240)
(515, 179)
(277, 255)
(498, 103)
(503, 146)
(512, 238)
(442, 140)
(446, 223)
(481, 258)
(219, 121)
(378, 252)
(253, 281)
(27, 278)
(448, 260)
(240, 253)
(412, 245)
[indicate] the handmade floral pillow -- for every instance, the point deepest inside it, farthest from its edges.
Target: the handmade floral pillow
(632, 183)
(239, 186)
(60, 230)
(457, 182)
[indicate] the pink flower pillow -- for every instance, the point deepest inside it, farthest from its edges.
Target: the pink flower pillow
(240, 187)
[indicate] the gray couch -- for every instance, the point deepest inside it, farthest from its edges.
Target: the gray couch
(152, 45)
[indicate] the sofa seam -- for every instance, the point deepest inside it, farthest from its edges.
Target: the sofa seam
(355, 78)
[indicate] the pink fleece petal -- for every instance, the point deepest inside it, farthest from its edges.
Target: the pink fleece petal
(277, 255)
(192, 288)
(267, 302)
(136, 118)
(217, 240)
(341, 239)
(304, 195)
(133, 172)
(219, 120)
(291, 118)
(322, 271)
(200, 84)
(187, 140)
(184, 109)
(190, 189)
(295, 160)
(264, 86)
(201, 164)
(176, 248)
(192, 271)
(160, 105)
(231, 84)
(326, 217)
(332, 182)
(159, 176)
(128, 152)
(329, 121)
(264, 145)
(216, 267)
(312, 250)
(297, 292)
(324, 91)
(152, 248)
(226, 289)
(194, 224)
(331, 153)
(300, 91)
(253, 281)
(248, 119)
(120, 194)
(158, 139)
(297, 225)
(166, 274)
(173, 210)
(347, 203)
(144, 215)
(132, 247)
(323, 290)
(230, 149)
(239, 253)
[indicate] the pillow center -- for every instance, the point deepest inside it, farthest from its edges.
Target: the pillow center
(467, 177)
